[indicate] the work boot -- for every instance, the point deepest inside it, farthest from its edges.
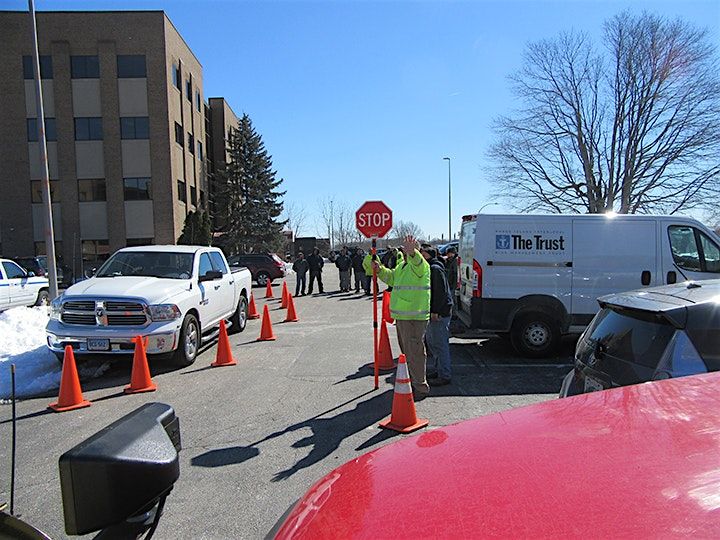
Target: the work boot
(439, 382)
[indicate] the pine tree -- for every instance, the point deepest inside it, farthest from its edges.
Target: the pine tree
(249, 200)
(197, 230)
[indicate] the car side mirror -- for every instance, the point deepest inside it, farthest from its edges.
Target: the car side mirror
(211, 275)
(31, 274)
(90, 273)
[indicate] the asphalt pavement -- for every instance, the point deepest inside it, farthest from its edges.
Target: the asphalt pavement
(257, 435)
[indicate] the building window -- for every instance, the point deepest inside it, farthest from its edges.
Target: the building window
(202, 198)
(193, 195)
(198, 101)
(191, 143)
(188, 90)
(137, 189)
(91, 190)
(179, 134)
(134, 127)
(84, 67)
(88, 129)
(131, 66)
(46, 71)
(94, 251)
(132, 242)
(176, 76)
(50, 133)
(182, 193)
(36, 191)
(200, 151)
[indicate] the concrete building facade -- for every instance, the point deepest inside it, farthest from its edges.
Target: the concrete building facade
(126, 123)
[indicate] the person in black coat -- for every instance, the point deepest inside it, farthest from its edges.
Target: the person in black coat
(344, 264)
(316, 263)
(358, 270)
(437, 335)
(300, 267)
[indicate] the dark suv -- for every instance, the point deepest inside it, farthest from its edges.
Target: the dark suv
(38, 265)
(649, 334)
(263, 267)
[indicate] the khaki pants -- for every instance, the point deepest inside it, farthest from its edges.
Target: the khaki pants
(410, 335)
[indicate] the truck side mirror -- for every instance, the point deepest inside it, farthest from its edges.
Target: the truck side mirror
(211, 275)
(117, 476)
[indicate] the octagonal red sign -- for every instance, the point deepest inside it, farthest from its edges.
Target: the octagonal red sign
(373, 218)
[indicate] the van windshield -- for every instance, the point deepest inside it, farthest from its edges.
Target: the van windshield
(148, 263)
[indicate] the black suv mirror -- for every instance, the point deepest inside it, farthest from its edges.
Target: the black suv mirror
(211, 275)
(121, 472)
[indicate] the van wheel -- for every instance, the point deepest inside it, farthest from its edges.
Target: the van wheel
(535, 334)
(262, 278)
(189, 342)
(240, 317)
(43, 298)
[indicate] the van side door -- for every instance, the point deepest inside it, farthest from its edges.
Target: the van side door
(688, 253)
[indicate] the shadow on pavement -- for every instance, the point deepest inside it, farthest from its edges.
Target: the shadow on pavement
(327, 434)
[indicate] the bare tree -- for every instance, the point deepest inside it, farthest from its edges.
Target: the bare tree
(326, 211)
(634, 130)
(296, 216)
(401, 229)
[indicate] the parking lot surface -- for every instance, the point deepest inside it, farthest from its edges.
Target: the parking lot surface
(257, 435)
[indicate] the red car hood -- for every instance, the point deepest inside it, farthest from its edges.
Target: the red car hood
(638, 461)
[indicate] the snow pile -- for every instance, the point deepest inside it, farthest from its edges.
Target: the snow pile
(22, 342)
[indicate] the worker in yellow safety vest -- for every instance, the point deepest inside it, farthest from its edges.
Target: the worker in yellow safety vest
(410, 307)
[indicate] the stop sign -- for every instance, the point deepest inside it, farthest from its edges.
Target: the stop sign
(373, 218)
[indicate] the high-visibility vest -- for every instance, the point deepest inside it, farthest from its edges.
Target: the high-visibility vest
(410, 280)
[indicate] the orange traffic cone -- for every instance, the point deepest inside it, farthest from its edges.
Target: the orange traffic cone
(252, 309)
(268, 290)
(385, 356)
(403, 418)
(70, 396)
(291, 313)
(140, 380)
(386, 308)
(224, 355)
(266, 331)
(285, 294)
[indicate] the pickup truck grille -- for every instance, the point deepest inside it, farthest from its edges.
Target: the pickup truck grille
(104, 313)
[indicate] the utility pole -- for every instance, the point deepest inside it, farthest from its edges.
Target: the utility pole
(42, 141)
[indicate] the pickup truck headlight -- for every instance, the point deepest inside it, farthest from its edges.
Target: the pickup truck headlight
(164, 312)
(56, 308)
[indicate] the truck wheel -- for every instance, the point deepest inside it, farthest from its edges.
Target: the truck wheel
(239, 318)
(189, 342)
(262, 278)
(535, 334)
(43, 298)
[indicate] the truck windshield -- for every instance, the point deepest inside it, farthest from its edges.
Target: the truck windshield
(148, 263)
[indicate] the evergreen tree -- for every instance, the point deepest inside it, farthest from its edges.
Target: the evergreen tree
(197, 230)
(250, 204)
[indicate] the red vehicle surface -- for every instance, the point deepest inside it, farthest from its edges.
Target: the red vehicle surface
(637, 461)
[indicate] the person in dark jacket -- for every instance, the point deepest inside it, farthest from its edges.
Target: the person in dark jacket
(358, 270)
(437, 335)
(315, 262)
(452, 270)
(344, 264)
(300, 267)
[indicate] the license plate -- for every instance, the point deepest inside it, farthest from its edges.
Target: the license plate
(98, 344)
(591, 385)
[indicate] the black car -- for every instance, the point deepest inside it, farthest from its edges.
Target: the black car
(263, 267)
(649, 334)
(38, 265)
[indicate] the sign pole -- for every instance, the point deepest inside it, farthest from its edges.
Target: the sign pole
(376, 358)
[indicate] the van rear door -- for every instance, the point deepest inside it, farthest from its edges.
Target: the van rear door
(609, 256)
(466, 254)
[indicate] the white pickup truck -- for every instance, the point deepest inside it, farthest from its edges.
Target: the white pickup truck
(175, 296)
(19, 287)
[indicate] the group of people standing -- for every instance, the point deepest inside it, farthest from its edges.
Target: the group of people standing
(348, 263)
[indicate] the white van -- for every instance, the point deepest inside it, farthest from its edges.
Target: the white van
(536, 277)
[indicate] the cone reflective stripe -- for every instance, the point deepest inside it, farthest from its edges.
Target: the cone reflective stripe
(140, 380)
(403, 418)
(291, 313)
(268, 290)
(385, 361)
(386, 308)
(252, 309)
(70, 396)
(224, 356)
(266, 331)
(285, 294)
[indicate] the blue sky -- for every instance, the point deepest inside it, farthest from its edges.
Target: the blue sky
(362, 100)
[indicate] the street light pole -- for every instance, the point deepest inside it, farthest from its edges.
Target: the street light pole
(449, 202)
(42, 142)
